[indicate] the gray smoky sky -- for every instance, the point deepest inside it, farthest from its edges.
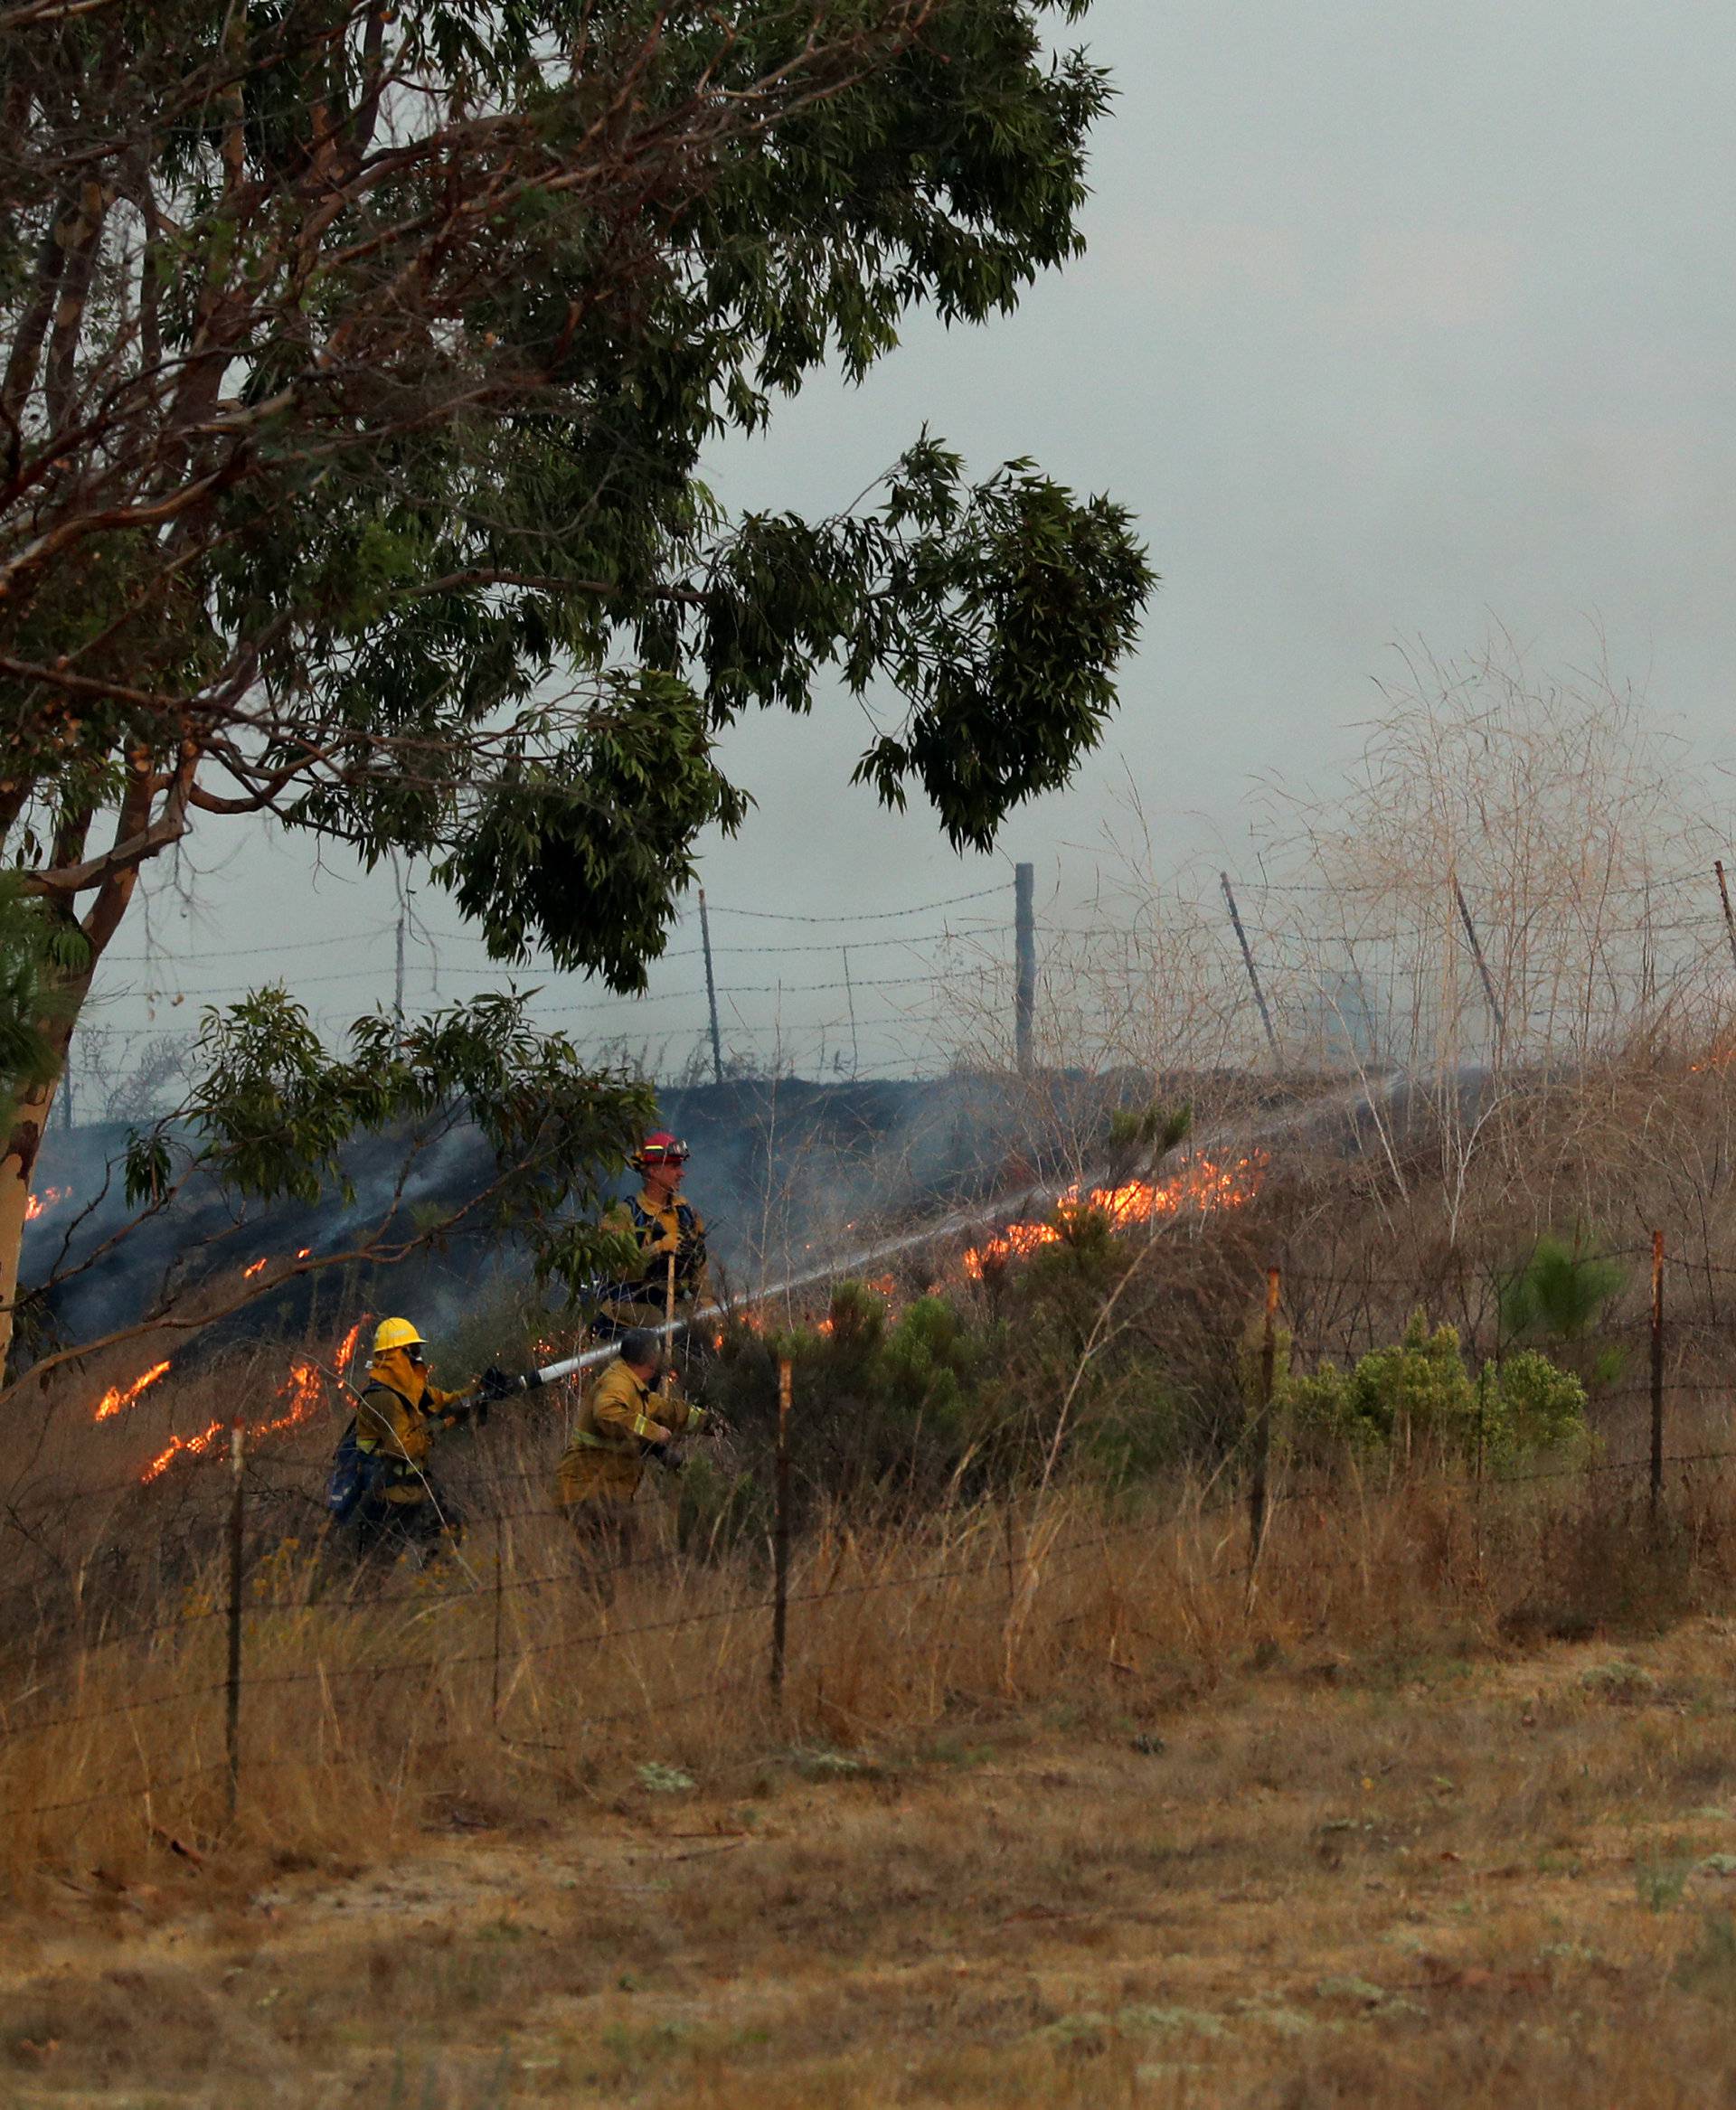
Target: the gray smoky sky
(1397, 321)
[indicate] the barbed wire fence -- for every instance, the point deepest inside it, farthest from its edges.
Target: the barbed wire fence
(1425, 971)
(840, 996)
(239, 1640)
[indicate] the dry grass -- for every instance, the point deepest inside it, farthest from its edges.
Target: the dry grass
(1377, 1839)
(1053, 1810)
(366, 1689)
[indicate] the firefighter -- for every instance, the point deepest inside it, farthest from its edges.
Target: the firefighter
(662, 1225)
(622, 1421)
(392, 1499)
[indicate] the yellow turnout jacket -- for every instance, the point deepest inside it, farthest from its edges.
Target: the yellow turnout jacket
(605, 1461)
(397, 1418)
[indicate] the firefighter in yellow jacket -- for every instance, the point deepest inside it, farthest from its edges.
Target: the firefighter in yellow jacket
(397, 1416)
(622, 1422)
(664, 1227)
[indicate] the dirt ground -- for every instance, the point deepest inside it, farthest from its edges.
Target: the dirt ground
(1479, 1878)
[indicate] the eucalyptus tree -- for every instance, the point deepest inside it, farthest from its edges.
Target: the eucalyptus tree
(359, 358)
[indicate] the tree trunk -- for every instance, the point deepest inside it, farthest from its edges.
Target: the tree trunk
(23, 1141)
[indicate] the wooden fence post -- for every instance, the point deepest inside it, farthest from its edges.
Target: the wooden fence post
(233, 1723)
(1263, 1428)
(1024, 993)
(495, 1707)
(780, 1536)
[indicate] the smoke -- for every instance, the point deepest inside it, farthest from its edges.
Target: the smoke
(792, 1179)
(786, 1174)
(99, 1266)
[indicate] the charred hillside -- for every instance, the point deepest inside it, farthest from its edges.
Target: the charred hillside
(785, 1172)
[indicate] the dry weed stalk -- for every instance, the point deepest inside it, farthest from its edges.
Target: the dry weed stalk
(369, 1700)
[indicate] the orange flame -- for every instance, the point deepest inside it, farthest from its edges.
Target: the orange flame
(1201, 1185)
(248, 1272)
(194, 1446)
(35, 1204)
(303, 1254)
(118, 1397)
(304, 1389)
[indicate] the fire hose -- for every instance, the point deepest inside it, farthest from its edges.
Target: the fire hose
(953, 1225)
(1369, 1092)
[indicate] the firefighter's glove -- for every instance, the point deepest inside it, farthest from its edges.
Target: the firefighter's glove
(664, 1455)
(690, 1254)
(495, 1384)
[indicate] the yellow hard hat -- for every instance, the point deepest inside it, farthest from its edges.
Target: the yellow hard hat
(395, 1333)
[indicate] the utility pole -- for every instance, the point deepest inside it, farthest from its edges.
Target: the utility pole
(1248, 962)
(711, 988)
(1024, 924)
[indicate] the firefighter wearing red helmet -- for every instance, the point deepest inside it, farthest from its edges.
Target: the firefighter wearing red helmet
(661, 1223)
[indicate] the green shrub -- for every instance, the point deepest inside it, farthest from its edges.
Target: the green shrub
(928, 1361)
(1542, 1407)
(1137, 1431)
(1560, 1292)
(1420, 1394)
(885, 1403)
(1558, 1298)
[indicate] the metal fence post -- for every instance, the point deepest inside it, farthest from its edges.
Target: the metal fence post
(1253, 972)
(1263, 1428)
(1658, 1371)
(780, 1536)
(1493, 1001)
(1724, 895)
(1024, 999)
(710, 990)
(233, 1722)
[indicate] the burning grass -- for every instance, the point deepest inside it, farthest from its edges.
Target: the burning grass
(118, 1398)
(1201, 1187)
(1044, 1777)
(39, 1205)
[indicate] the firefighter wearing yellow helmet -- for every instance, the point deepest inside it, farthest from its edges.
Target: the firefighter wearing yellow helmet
(381, 1483)
(623, 1421)
(662, 1225)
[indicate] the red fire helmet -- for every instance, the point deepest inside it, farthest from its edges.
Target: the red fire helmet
(659, 1148)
